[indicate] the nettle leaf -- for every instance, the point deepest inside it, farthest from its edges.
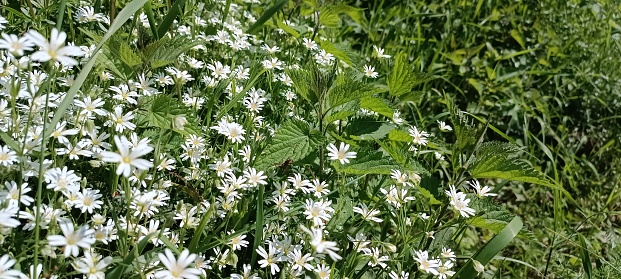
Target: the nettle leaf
(328, 17)
(342, 52)
(368, 162)
(342, 112)
(309, 82)
(378, 105)
(347, 88)
(162, 112)
(398, 135)
(467, 134)
(166, 51)
(294, 140)
(402, 78)
(500, 160)
(368, 129)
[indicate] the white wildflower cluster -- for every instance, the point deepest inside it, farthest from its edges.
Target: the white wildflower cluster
(171, 150)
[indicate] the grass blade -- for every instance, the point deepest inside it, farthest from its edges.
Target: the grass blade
(118, 270)
(267, 15)
(489, 251)
(170, 17)
(258, 228)
(584, 255)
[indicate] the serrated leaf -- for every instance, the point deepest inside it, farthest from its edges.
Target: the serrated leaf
(426, 194)
(294, 140)
(398, 135)
(402, 79)
(368, 129)
(328, 17)
(368, 162)
(348, 89)
(128, 56)
(498, 160)
(339, 51)
(377, 105)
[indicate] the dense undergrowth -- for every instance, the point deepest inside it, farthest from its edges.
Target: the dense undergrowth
(317, 139)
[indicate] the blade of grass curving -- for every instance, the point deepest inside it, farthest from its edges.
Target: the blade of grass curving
(118, 270)
(175, 10)
(267, 15)
(258, 225)
(121, 18)
(198, 232)
(61, 14)
(148, 10)
(10, 142)
(487, 252)
(238, 96)
(584, 255)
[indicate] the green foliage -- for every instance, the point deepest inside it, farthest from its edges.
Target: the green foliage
(403, 78)
(487, 252)
(294, 140)
(348, 88)
(499, 160)
(368, 162)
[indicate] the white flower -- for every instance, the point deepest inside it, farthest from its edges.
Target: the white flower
(53, 49)
(379, 52)
(418, 137)
(270, 258)
(6, 263)
(7, 156)
(425, 264)
(478, 266)
(369, 71)
(481, 191)
(15, 45)
(92, 265)
(320, 245)
(368, 214)
(444, 127)
(71, 239)
(177, 268)
(341, 153)
(459, 202)
(128, 158)
(16, 195)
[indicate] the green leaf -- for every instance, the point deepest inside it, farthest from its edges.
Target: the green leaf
(368, 162)
(495, 245)
(129, 10)
(302, 80)
(400, 136)
(348, 89)
(8, 140)
(339, 51)
(170, 18)
(518, 37)
(267, 15)
(118, 270)
(368, 129)
(288, 29)
(378, 105)
(342, 112)
(293, 140)
(402, 79)
(328, 17)
(586, 259)
(258, 225)
(426, 194)
(498, 160)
